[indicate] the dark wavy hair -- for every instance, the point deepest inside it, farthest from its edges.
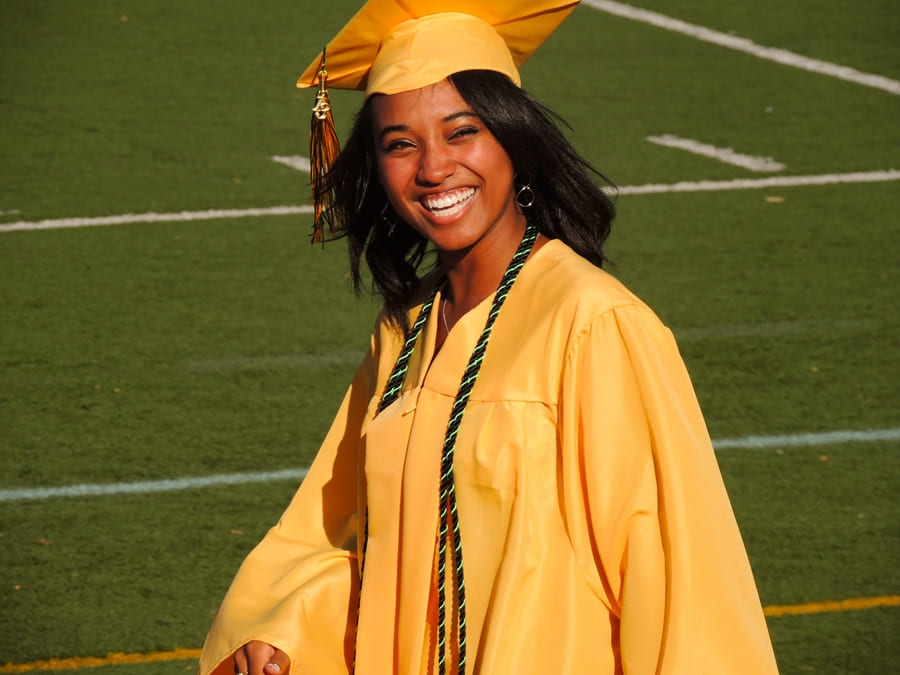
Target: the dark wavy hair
(568, 202)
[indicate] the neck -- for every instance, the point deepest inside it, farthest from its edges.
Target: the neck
(474, 273)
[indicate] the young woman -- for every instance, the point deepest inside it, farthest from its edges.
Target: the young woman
(519, 479)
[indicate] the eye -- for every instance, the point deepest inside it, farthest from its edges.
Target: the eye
(397, 145)
(463, 132)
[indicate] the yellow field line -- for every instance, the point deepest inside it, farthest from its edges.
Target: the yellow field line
(93, 661)
(833, 606)
(188, 654)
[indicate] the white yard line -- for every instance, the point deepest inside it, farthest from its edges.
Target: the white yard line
(726, 155)
(685, 186)
(798, 440)
(781, 56)
(129, 218)
(145, 487)
(760, 183)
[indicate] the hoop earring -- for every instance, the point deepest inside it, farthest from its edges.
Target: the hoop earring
(392, 224)
(525, 196)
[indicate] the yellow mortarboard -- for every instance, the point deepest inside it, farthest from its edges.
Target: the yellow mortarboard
(392, 46)
(420, 42)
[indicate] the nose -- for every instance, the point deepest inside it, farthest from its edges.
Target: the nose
(435, 165)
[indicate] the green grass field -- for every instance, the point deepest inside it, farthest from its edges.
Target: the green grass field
(171, 350)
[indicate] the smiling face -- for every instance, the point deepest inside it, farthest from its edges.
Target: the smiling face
(444, 173)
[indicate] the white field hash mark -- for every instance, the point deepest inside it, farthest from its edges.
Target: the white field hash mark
(782, 56)
(294, 161)
(217, 480)
(726, 155)
(683, 186)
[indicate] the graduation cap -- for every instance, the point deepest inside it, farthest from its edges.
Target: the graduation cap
(392, 46)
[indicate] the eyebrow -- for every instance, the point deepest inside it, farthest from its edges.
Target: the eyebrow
(399, 128)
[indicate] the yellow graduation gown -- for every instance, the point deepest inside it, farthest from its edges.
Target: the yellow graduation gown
(597, 533)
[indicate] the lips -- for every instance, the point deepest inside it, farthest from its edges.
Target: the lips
(447, 203)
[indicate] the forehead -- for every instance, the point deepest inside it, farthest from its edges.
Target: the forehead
(431, 104)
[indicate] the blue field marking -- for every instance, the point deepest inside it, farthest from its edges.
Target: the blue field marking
(216, 480)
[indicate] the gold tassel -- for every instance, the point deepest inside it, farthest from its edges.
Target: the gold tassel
(323, 151)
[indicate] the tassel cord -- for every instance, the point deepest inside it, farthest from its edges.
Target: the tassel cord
(324, 149)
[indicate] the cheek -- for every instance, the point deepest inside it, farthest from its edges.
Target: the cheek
(498, 165)
(391, 175)
(394, 180)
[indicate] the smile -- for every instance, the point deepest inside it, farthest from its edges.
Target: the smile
(448, 203)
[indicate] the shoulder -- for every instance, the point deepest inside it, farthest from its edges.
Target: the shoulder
(567, 317)
(564, 288)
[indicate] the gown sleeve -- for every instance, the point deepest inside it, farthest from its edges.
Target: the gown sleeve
(297, 590)
(646, 507)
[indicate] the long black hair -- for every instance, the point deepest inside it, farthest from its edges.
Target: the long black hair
(569, 204)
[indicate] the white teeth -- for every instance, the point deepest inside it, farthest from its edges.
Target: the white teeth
(449, 203)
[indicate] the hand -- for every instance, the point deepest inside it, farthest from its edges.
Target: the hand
(259, 658)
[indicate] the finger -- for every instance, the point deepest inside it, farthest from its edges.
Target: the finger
(279, 664)
(258, 655)
(240, 661)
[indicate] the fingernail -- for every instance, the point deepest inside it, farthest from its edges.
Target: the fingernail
(274, 666)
